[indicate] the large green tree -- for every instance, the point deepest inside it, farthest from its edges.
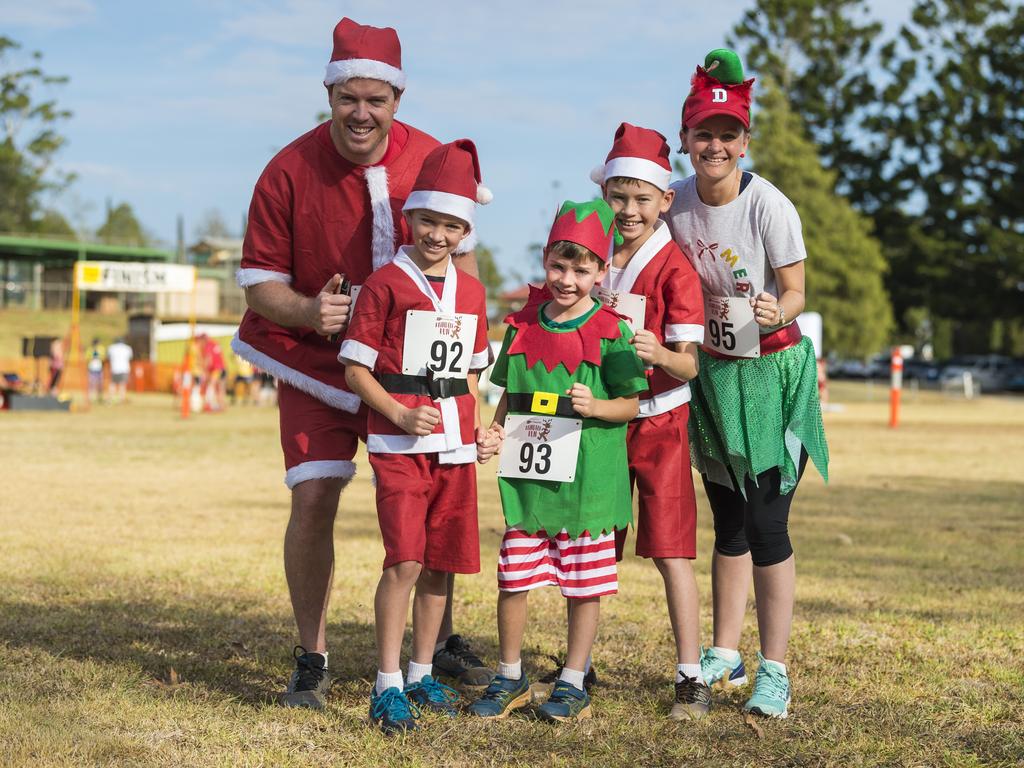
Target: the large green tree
(946, 192)
(29, 140)
(845, 268)
(122, 227)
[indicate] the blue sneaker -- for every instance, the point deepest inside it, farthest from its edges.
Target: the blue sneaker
(392, 712)
(567, 702)
(429, 694)
(501, 697)
(719, 672)
(771, 690)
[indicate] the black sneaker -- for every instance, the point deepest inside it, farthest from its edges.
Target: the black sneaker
(310, 681)
(589, 679)
(456, 660)
(693, 700)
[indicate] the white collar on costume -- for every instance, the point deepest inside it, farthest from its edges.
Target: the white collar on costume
(622, 280)
(446, 302)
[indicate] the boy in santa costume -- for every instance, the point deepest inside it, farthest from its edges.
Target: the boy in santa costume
(414, 348)
(329, 205)
(650, 280)
(571, 381)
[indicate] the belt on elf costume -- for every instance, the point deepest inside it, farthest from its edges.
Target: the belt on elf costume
(546, 403)
(401, 384)
(776, 341)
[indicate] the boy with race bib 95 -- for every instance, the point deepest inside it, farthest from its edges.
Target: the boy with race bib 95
(414, 347)
(571, 381)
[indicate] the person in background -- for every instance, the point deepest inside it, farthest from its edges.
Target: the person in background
(119, 358)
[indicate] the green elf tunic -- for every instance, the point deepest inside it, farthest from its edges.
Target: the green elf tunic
(539, 355)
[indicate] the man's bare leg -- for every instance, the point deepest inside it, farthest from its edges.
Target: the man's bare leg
(309, 557)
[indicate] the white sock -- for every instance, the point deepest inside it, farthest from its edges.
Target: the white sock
(729, 654)
(513, 671)
(387, 680)
(777, 665)
(588, 665)
(573, 677)
(690, 670)
(417, 672)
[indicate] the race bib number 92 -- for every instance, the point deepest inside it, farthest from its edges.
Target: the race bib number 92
(439, 342)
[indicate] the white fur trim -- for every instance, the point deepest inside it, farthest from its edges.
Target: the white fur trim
(684, 332)
(383, 240)
(325, 393)
(468, 243)
(597, 174)
(318, 470)
(481, 359)
(247, 277)
(637, 168)
(441, 202)
(436, 443)
(664, 401)
(357, 352)
(346, 69)
(484, 196)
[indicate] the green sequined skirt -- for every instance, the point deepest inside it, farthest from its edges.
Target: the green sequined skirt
(749, 416)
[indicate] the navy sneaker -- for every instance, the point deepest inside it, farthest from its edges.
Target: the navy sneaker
(429, 694)
(502, 696)
(457, 661)
(567, 702)
(309, 683)
(392, 712)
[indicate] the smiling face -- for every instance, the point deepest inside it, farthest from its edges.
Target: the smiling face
(570, 278)
(362, 111)
(434, 237)
(715, 146)
(637, 205)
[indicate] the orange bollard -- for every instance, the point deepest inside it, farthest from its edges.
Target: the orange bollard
(895, 387)
(186, 393)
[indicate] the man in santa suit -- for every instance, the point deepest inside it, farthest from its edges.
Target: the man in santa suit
(327, 209)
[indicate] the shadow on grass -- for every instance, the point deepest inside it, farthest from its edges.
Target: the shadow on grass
(242, 655)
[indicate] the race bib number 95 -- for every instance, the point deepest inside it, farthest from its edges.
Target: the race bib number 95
(438, 342)
(540, 447)
(729, 327)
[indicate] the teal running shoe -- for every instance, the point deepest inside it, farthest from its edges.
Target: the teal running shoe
(719, 672)
(502, 696)
(392, 712)
(771, 690)
(431, 695)
(567, 702)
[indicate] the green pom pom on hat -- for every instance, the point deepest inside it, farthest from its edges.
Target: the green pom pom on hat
(724, 65)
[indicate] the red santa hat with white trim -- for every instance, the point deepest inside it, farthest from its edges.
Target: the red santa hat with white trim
(637, 153)
(363, 51)
(449, 182)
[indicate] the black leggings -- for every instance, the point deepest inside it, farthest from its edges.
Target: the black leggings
(758, 524)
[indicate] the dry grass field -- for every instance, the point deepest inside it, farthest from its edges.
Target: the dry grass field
(144, 618)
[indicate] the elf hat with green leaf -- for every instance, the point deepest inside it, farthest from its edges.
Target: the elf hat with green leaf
(590, 224)
(718, 88)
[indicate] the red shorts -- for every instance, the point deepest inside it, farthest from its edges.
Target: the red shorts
(427, 511)
(318, 441)
(659, 469)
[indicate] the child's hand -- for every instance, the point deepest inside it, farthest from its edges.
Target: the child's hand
(648, 348)
(583, 400)
(488, 442)
(419, 421)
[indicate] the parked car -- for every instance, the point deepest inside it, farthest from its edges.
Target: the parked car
(991, 373)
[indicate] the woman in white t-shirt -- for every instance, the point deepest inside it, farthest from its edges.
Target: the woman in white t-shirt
(755, 416)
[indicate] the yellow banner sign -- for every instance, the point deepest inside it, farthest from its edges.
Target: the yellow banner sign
(134, 276)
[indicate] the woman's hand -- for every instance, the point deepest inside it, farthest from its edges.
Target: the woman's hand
(767, 311)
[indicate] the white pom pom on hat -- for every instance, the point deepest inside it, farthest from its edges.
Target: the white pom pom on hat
(597, 175)
(483, 194)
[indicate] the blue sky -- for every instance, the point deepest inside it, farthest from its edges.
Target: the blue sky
(178, 106)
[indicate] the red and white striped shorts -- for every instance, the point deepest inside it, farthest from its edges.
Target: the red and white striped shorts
(583, 567)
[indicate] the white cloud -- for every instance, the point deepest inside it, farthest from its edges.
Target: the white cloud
(50, 14)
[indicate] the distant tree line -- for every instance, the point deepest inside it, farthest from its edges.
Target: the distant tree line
(922, 132)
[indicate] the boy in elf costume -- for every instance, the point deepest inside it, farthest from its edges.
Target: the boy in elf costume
(651, 281)
(571, 383)
(414, 348)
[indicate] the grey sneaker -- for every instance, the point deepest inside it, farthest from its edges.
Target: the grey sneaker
(310, 681)
(693, 700)
(457, 660)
